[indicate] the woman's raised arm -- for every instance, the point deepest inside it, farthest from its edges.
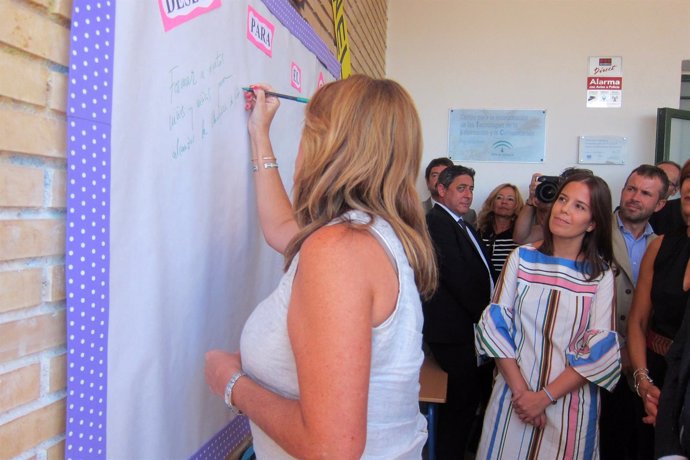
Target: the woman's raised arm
(275, 211)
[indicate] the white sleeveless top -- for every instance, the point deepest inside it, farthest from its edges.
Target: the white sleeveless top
(395, 427)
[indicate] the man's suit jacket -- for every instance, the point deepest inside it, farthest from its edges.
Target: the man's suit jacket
(624, 278)
(464, 285)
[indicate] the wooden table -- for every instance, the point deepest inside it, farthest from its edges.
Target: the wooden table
(432, 390)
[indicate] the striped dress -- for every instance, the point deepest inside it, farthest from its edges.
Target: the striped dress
(547, 316)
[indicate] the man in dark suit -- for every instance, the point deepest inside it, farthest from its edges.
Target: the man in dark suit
(465, 287)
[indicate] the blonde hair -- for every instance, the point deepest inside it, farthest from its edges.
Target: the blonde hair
(361, 149)
(485, 219)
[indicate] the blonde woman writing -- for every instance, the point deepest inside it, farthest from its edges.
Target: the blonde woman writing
(332, 357)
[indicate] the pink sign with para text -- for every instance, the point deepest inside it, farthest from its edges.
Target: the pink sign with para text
(260, 31)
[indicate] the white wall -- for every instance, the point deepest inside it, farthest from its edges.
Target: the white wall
(533, 54)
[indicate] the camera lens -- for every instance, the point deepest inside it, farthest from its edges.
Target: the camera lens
(546, 191)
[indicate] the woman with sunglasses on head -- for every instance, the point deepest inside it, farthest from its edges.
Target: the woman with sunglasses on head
(496, 221)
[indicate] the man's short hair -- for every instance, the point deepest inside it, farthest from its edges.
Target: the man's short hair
(652, 172)
(450, 173)
(442, 161)
(670, 162)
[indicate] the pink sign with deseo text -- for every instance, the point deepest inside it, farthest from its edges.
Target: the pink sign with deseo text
(296, 77)
(260, 31)
(176, 12)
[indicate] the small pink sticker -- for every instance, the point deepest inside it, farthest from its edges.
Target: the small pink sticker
(260, 31)
(321, 80)
(176, 12)
(296, 77)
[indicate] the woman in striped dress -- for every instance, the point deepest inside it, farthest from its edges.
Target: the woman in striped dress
(496, 220)
(551, 330)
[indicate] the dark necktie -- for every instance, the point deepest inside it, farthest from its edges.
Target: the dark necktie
(462, 224)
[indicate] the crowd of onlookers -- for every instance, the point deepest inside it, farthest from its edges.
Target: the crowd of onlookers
(585, 320)
(571, 308)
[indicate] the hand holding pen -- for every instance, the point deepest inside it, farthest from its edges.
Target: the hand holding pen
(262, 109)
(250, 89)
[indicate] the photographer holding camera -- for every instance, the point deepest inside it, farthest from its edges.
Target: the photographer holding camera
(542, 193)
(529, 222)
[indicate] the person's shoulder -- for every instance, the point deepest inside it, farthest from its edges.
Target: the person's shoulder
(653, 248)
(340, 241)
(434, 213)
(439, 219)
(532, 246)
(609, 271)
(336, 233)
(438, 212)
(343, 254)
(520, 251)
(655, 243)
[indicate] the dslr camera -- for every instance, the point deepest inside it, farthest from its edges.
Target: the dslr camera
(548, 188)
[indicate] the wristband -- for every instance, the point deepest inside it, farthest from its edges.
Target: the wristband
(548, 395)
(228, 392)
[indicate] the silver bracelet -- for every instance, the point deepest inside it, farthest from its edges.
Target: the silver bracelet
(228, 392)
(270, 165)
(642, 373)
(255, 168)
(548, 395)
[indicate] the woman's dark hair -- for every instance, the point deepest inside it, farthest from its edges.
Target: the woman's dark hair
(684, 173)
(597, 249)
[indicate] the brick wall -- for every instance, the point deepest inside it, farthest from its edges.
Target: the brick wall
(367, 22)
(34, 42)
(34, 48)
